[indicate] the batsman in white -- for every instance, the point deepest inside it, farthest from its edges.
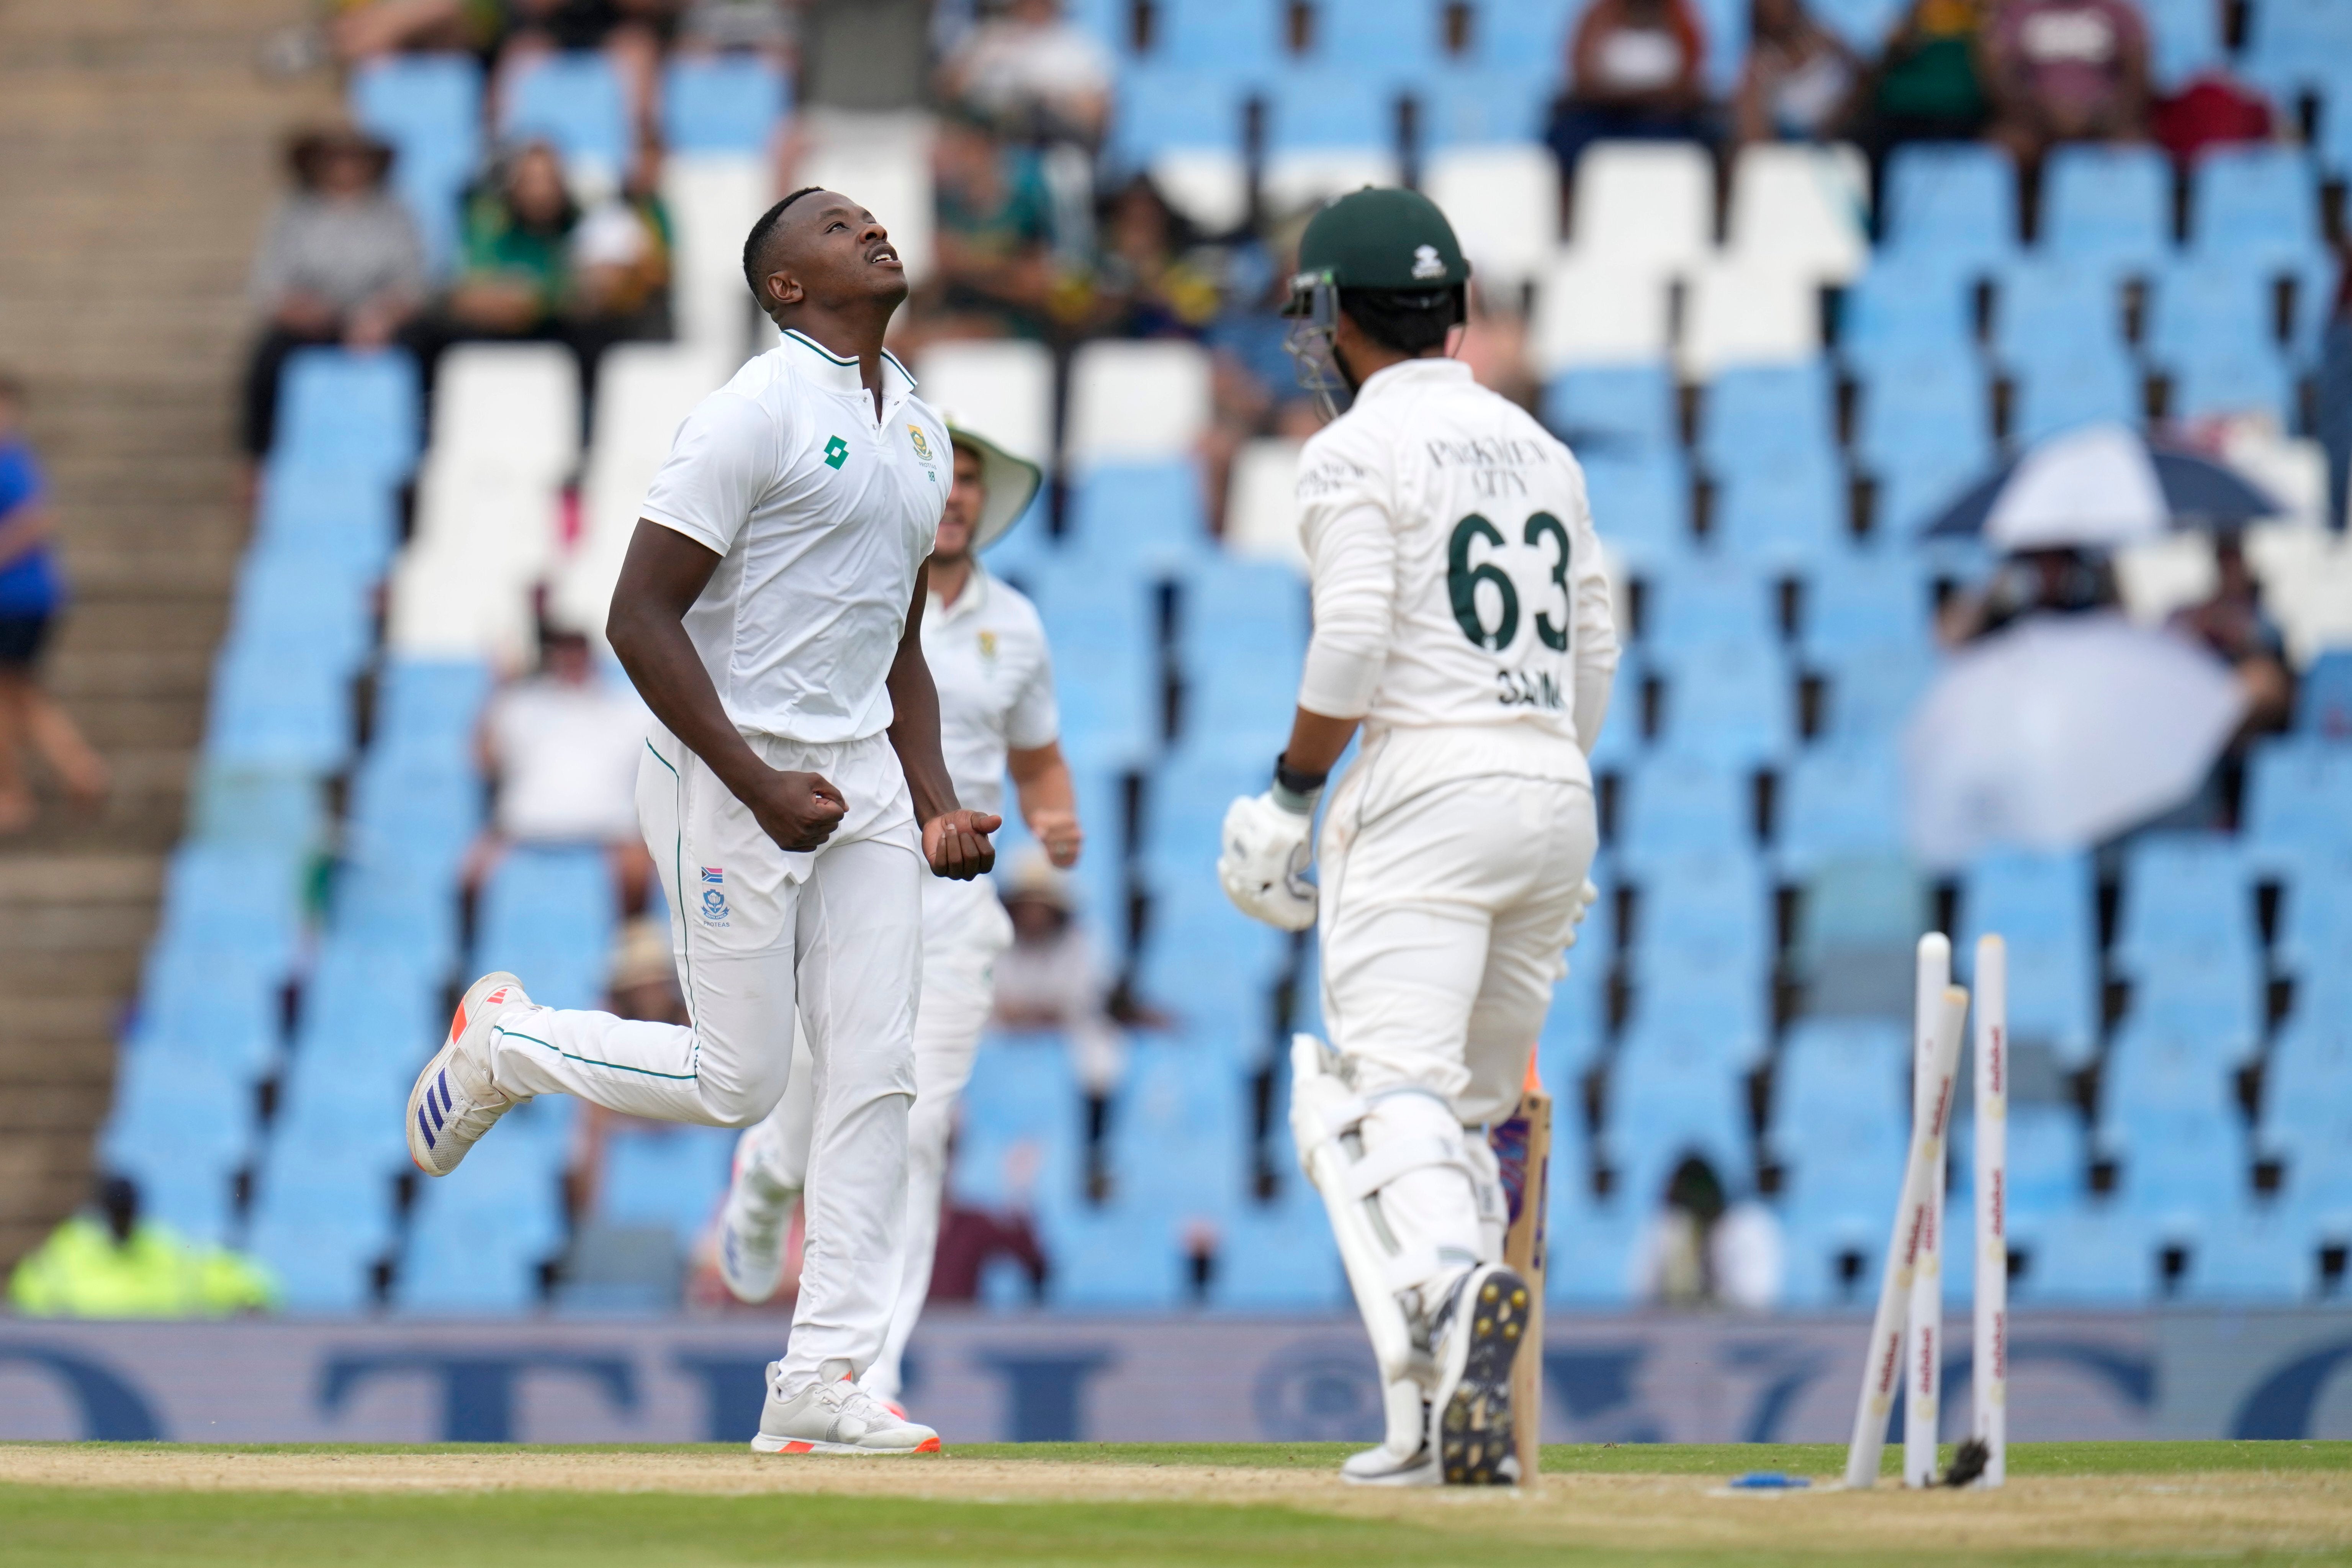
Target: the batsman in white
(1462, 621)
(986, 649)
(793, 793)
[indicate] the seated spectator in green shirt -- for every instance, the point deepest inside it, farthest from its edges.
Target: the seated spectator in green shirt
(517, 268)
(109, 1265)
(994, 235)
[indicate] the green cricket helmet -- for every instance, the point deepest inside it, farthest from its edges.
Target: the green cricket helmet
(1382, 238)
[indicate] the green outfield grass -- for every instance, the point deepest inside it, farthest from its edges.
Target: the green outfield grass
(1605, 1525)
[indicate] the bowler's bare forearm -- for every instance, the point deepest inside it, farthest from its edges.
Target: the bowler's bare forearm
(915, 715)
(662, 576)
(1315, 742)
(1041, 780)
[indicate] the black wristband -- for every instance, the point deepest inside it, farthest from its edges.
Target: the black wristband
(1296, 782)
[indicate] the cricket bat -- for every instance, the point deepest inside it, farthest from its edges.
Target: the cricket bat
(1525, 1143)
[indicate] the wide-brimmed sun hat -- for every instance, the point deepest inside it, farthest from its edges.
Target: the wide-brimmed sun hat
(1010, 482)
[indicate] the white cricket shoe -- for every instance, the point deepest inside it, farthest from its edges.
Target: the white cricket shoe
(833, 1416)
(1383, 1467)
(751, 1226)
(455, 1100)
(1478, 1332)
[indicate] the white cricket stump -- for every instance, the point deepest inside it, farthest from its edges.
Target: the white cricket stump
(1932, 1096)
(1990, 1378)
(1941, 1013)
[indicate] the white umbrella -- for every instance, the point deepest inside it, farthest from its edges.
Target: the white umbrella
(2094, 487)
(2058, 731)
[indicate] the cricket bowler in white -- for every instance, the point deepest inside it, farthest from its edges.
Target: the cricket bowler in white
(1461, 620)
(793, 793)
(987, 652)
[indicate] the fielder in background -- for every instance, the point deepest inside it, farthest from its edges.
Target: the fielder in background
(986, 649)
(793, 793)
(1461, 620)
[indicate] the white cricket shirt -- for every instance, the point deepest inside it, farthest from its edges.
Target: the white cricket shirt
(1457, 579)
(988, 656)
(567, 760)
(821, 515)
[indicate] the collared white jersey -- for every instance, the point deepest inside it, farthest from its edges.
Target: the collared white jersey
(989, 659)
(821, 515)
(1497, 608)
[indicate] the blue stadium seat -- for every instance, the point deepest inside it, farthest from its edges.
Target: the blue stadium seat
(1955, 202)
(354, 415)
(2295, 46)
(2048, 1160)
(2211, 325)
(1508, 34)
(1614, 412)
(1212, 965)
(1318, 108)
(240, 898)
(391, 904)
(1858, 924)
(1578, 1020)
(1906, 308)
(1923, 412)
(547, 915)
(2213, 995)
(2055, 309)
(669, 1176)
(1672, 1094)
(476, 1241)
(1880, 599)
(1840, 1128)
(1161, 110)
(2257, 202)
(415, 811)
(1280, 1257)
(432, 703)
(1912, 494)
(1869, 689)
(2107, 206)
(1642, 505)
(181, 1128)
(272, 712)
(1018, 1118)
(1243, 624)
(1728, 703)
(2184, 892)
(2165, 1114)
(2044, 905)
(1703, 906)
(2336, 137)
(2323, 704)
(575, 100)
(301, 609)
(2063, 392)
(2314, 918)
(319, 1228)
(1839, 803)
(2259, 1252)
(1465, 108)
(1386, 39)
(728, 104)
(2095, 1255)
(203, 1004)
(1177, 1142)
(1749, 410)
(1591, 1244)
(1106, 663)
(2185, 37)
(429, 108)
(342, 1104)
(1122, 1257)
(2247, 378)
(371, 1013)
(2299, 801)
(351, 529)
(1864, 24)
(1707, 977)
(1675, 805)
(1232, 37)
(1784, 508)
(1709, 601)
(2306, 1121)
(1145, 518)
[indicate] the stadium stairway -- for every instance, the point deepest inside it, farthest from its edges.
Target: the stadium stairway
(142, 157)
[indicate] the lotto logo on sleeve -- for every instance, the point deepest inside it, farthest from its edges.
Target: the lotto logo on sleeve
(836, 452)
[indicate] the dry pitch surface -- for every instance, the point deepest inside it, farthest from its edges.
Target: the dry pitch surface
(1225, 1504)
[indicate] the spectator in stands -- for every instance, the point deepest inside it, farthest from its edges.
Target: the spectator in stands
(1253, 385)
(1032, 74)
(31, 593)
(1704, 1249)
(108, 1264)
(515, 273)
(2066, 582)
(1148, 281)
(2232, 621)
(2066, 70)
(1796, 79)
(995, 227)
(1051, 979)
(366, 29)
(1633, 71)
(2212, 109)
(560, 750)
(629, 34)
(1927, 85)
(764, 27)
(340, 263)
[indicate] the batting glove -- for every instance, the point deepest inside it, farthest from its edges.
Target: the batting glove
(1587, 895)
(1264, 866)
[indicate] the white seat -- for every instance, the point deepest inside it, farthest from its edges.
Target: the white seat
(883, 161)
(443, 606)
(580, 595)
(1644, 203)
(1504, 204)
(1135, 402)
(1738, 314)
(1588, 313)
(643, 392)
(1298, 180)
(2158, 576)
(505, 523)
(713, 201)
(1261, 502)
(1801, 208)
(2306, 577)
(514, 406)
(1004, 388)
(1209, 186)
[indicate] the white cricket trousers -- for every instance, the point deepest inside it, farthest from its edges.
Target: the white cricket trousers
(757, 931)
(965, 932)
(1447, 903)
